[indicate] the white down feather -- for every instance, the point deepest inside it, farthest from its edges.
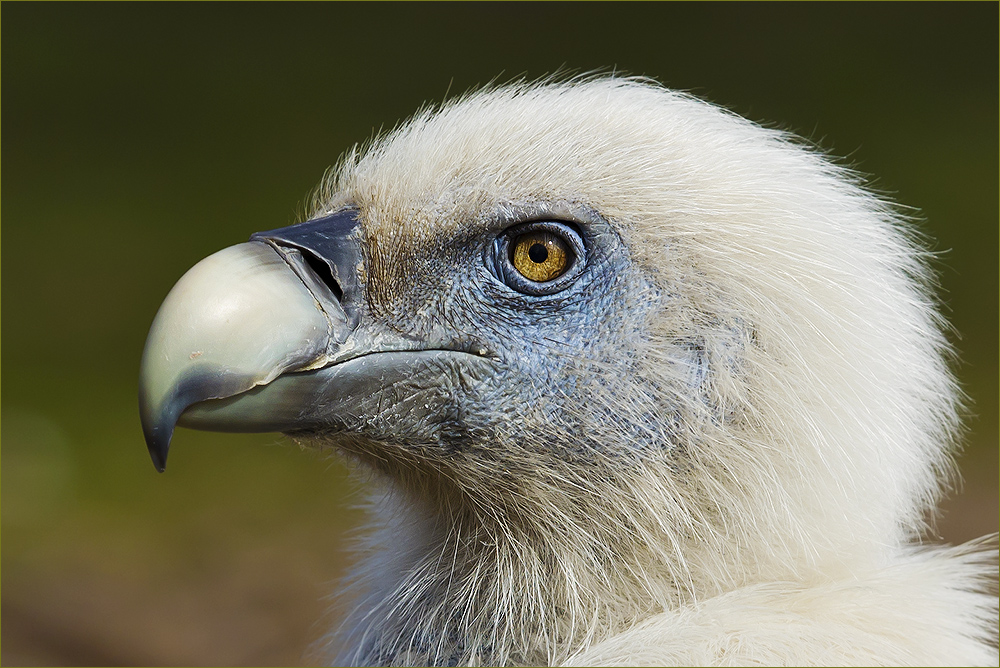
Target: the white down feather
(794, 536)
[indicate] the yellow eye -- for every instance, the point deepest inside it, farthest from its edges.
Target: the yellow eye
(540, 256)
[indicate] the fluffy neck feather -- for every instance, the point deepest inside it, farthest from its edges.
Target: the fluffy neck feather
(489, 572)
(450, 581)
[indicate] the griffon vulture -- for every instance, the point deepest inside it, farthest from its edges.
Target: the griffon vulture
(641, 382)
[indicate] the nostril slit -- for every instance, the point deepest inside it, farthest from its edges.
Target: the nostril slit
(322, 270)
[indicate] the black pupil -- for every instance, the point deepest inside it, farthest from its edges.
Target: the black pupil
(538, 253)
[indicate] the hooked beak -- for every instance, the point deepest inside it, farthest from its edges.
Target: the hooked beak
(243, 317)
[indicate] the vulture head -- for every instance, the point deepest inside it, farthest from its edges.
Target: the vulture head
(608, 351)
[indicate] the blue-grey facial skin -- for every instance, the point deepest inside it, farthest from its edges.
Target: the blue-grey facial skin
(549, 354)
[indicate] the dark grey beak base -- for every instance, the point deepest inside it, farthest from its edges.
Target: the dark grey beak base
(331, 249)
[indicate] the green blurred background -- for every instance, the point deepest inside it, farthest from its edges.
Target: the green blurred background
(139, 138)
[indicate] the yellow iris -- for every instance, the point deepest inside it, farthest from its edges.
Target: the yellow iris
(540, 256)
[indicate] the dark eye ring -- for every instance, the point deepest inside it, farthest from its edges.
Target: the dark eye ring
(539, 258)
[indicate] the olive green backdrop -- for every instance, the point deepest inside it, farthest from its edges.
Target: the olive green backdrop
(136, 139)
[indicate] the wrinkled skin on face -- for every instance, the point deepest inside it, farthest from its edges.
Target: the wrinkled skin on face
(547, 353)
